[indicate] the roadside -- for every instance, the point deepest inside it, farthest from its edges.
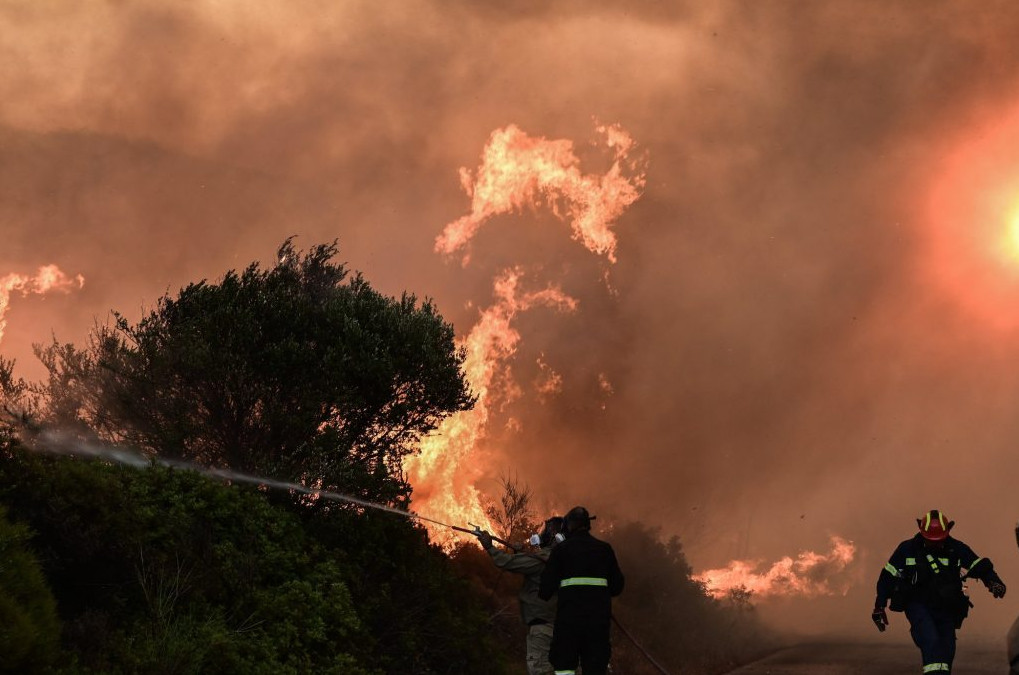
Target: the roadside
(871, 659)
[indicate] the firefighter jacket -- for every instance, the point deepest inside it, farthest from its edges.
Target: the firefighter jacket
(931, 575)
(533, 610)
(584, 572)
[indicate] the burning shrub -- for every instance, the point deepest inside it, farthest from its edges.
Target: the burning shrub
(671, 614)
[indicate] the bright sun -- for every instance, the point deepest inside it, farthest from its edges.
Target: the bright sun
(1011, 238)
(972, 229)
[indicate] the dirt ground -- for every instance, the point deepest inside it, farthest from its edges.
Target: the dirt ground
(872, 659)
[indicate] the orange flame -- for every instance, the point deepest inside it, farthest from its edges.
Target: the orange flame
(518, 170)
(442, 478)
(810, 574)
(47, 278)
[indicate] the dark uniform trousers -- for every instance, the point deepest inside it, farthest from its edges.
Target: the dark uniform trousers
(581, 641)
(933, 631)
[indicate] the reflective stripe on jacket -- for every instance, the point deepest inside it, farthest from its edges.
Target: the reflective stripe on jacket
(913, 566)
(583, 571)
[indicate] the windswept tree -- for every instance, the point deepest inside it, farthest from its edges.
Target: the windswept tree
(300, 371)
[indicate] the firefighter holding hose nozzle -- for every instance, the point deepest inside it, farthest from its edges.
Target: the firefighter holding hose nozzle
(537, 614)
(923, 578)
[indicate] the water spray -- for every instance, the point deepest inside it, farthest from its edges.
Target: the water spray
(57, 442)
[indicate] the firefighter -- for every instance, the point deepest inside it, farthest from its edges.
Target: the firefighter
(923, 578)
(536, 613)
(584, 573)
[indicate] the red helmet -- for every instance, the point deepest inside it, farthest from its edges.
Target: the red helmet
(935, 525)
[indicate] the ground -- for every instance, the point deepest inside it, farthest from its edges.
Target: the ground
(873, 659)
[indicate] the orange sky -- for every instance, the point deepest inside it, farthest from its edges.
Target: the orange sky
(804, 333)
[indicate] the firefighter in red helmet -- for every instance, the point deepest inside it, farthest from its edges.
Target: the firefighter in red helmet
(923, 578)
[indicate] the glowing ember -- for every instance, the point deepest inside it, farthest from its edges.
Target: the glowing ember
(518, 171)
(441, 474)
(47, 278)
(809, 574)
(549, 382)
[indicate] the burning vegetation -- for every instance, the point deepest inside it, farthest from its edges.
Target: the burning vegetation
(303, 375)
(151, 562)
(47, 278)
(809, 574)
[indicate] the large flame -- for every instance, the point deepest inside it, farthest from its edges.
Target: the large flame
(442, 475)
(518, 170)
(809, 574)
(47, 278)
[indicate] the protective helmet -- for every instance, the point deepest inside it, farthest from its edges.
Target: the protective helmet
(935, 525)
(578, 519)
(553, 526)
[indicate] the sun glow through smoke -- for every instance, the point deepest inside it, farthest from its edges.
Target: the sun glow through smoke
(1010, 243)
(972, 238)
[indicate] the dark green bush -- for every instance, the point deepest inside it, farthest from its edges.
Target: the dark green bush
(167, 571)
(164, 571)
(29, 629)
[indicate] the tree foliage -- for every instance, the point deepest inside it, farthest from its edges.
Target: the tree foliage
(300, 371)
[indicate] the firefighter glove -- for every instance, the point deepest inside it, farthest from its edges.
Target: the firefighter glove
(879, 618)
(997, 588)
(485, 538)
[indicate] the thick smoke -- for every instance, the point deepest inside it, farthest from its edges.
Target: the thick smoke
(774, 361)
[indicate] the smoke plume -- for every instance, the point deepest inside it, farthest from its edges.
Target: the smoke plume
(810, 326)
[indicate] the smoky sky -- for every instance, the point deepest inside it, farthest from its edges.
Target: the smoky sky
(781, 366)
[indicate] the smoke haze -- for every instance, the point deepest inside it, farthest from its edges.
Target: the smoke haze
(778, 354)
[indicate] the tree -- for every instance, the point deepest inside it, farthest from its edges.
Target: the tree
(513, 515)
(300, 371)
